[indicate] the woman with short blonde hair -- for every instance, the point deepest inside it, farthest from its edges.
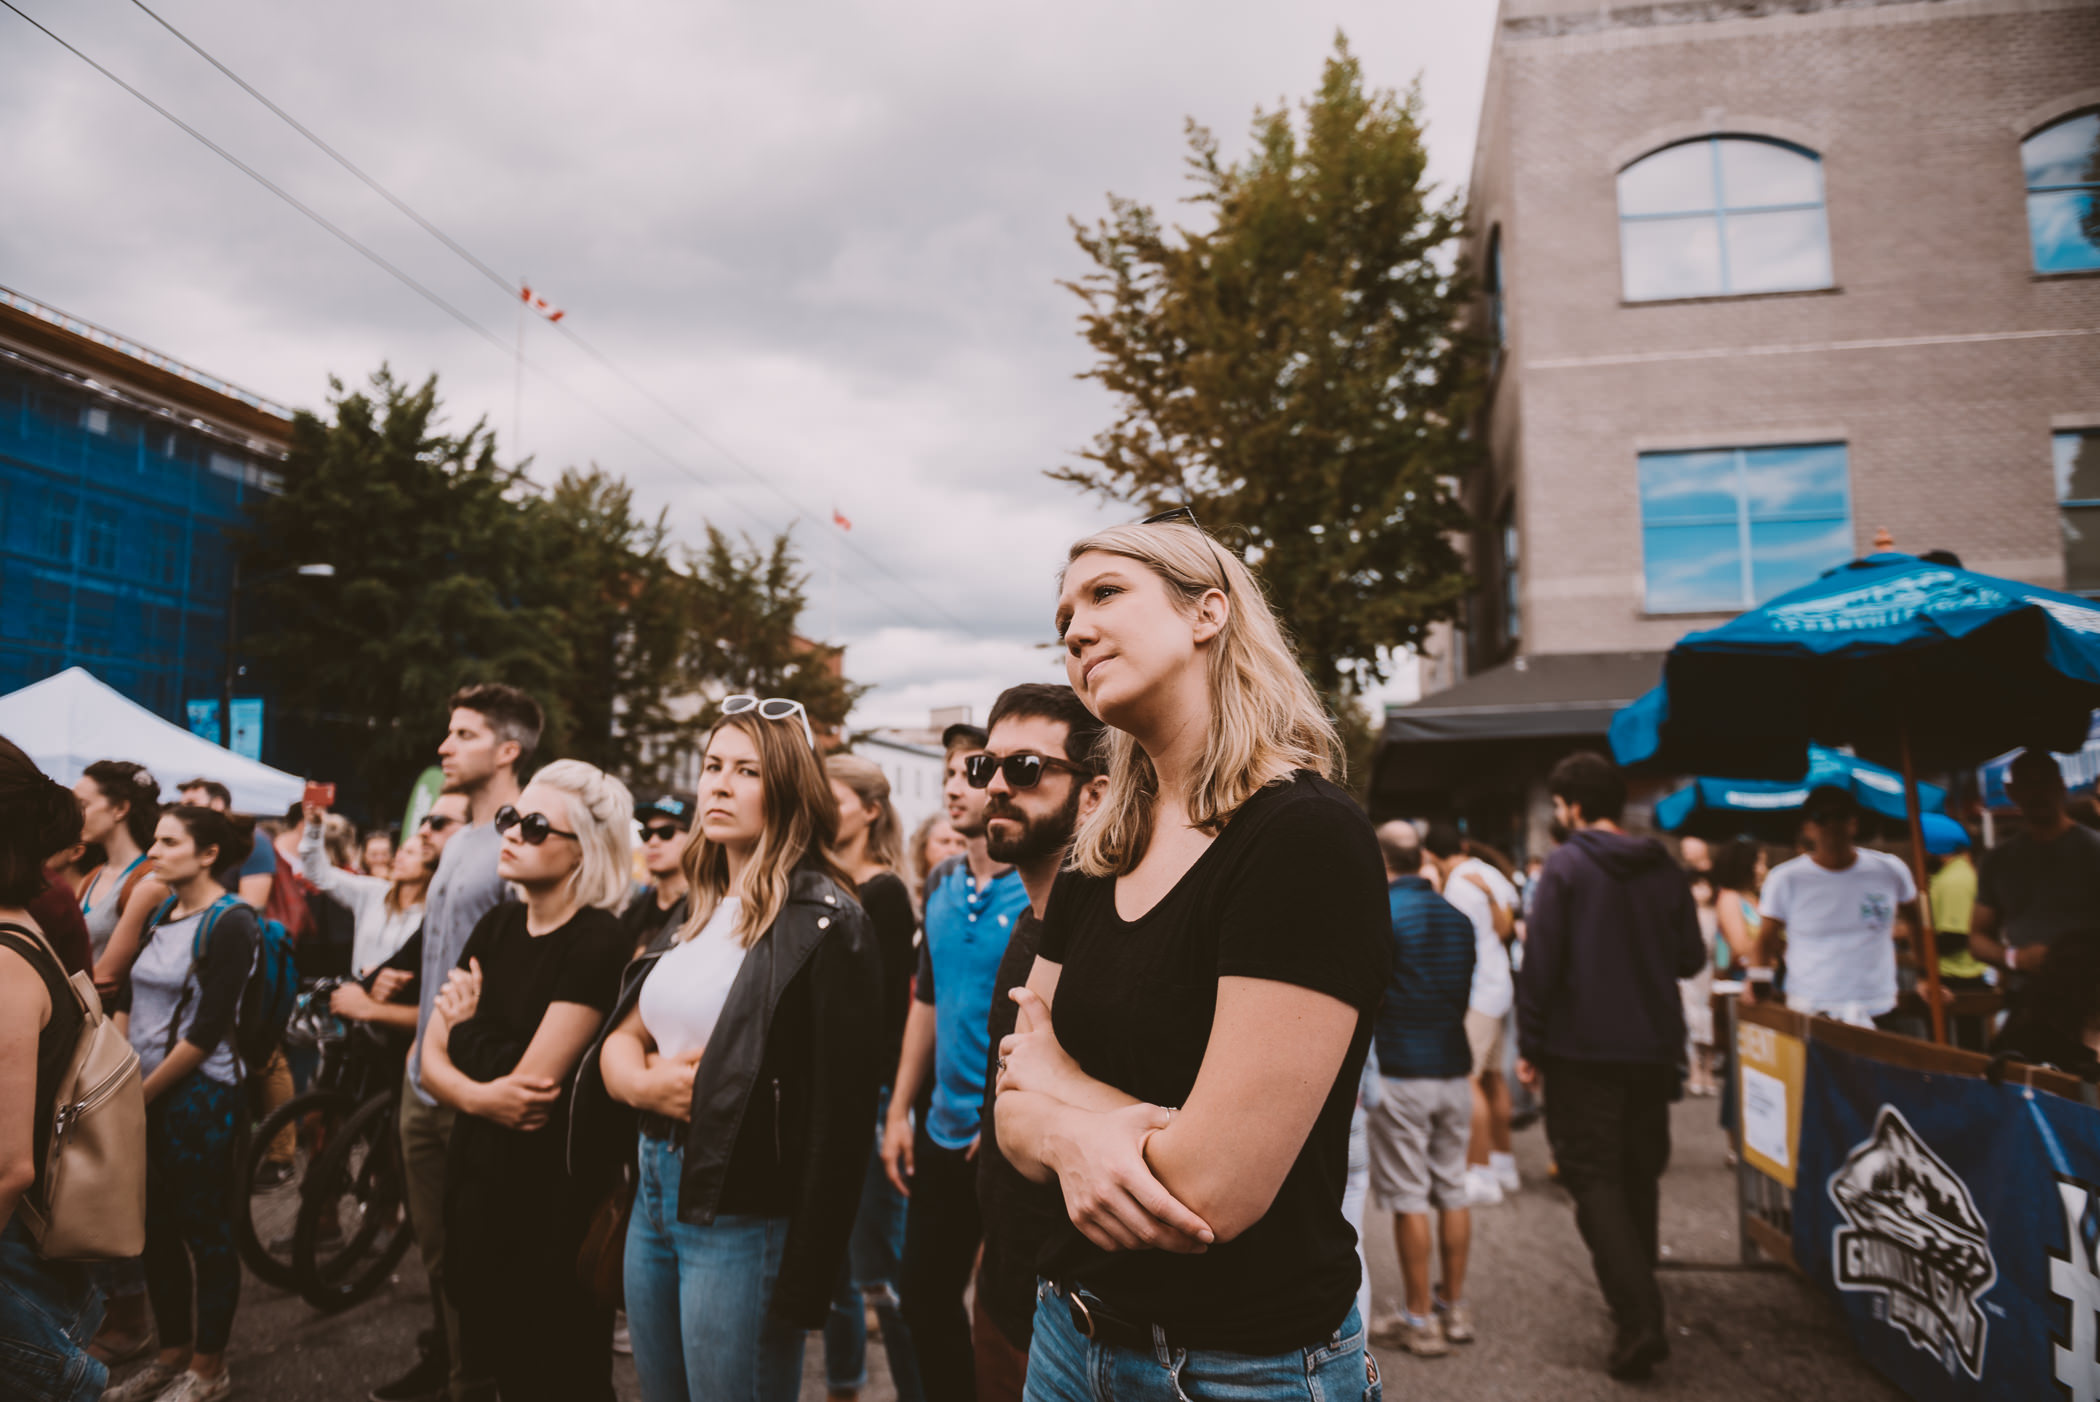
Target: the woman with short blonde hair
(1186, 1056)
(603, 811)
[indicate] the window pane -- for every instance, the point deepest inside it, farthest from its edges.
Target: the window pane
(2065, 154)
(2077, 466)
(2081, 548)
(1788, 554)
(1807, 481)
(2059, 222)
(1678, 180)
(1761, 173)
(1678, 487)
(1670, 258)
(1777, 252)
(1692, 568)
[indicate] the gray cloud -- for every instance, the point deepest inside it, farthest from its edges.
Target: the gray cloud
(829, 234)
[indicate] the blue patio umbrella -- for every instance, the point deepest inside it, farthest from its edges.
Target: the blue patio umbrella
(1766, 808)
(1897, 657)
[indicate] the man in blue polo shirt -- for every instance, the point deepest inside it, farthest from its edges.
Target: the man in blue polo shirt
(972, 903)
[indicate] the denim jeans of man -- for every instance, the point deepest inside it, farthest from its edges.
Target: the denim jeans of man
(48, 1312)
(1066, 1366)
(874, 1265)
(697, 1297)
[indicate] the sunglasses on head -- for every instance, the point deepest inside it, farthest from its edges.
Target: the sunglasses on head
(436, 822)
(533, 828)
(662, 832)
(1021, 771)
(1185, 515)
(772, 708)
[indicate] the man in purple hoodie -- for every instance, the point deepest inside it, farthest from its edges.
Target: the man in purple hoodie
(1600, 1023)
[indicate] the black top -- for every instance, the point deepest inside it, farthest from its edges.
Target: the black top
(888, 904)
(522, 974)
(1020, 1218)
(644, 919)
(1292, 891)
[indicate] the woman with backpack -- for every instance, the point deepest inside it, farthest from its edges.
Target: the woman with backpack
(186, 987)
(48, 1309)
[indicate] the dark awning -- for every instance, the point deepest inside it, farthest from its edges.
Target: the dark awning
(1503, 727)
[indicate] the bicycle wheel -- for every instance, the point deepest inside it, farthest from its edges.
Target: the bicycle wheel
(268, 1193)
(353, 1220)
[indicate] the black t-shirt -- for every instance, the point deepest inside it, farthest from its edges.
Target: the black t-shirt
(888, 904)
(1293, 891)
(644, 919)
(1020, 1218)
(522, 974)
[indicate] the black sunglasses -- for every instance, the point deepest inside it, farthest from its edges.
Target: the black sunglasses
(533, 828)
(1022, 771)
(662, 832)
(1187, 514)
(436, 822)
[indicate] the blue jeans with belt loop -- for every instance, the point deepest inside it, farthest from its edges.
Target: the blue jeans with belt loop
(698, 1297)
(1066, 1366)
(48, 1312)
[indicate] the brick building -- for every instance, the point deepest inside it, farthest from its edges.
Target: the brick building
(125, 476)
(1765, 278)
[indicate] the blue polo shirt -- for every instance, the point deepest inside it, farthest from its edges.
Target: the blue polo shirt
(967, 928)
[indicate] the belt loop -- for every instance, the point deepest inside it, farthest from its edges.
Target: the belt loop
(1159, 1347)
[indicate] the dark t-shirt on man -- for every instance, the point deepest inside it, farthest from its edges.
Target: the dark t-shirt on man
(1020, 1217)
(1292, 891)
(2042, 889)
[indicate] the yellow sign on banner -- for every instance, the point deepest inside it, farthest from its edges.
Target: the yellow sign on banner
(1770, 1067)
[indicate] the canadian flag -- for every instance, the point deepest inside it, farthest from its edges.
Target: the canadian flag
(838, 518)
(539, 304)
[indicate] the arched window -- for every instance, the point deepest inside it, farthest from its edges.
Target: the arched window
(2063, 194)
(1719, 215)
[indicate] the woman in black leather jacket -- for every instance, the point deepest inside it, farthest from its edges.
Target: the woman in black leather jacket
(748, 1052)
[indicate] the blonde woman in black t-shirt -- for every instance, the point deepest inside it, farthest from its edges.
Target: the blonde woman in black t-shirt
(1188, 1046)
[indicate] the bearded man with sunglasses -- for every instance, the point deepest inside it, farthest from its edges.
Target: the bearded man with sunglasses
(491, 735)
(972, 902)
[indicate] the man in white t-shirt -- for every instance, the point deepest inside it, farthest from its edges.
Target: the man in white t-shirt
(1478, 890)
(1837, 914)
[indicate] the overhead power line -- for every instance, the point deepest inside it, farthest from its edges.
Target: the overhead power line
(515, 288)
(400, 275)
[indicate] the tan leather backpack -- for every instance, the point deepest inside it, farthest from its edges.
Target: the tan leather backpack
(89, 1203)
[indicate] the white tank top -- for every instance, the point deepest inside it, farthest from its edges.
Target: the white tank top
(686, 990)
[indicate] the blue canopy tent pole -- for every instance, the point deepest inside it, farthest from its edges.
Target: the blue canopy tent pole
(1927, 937)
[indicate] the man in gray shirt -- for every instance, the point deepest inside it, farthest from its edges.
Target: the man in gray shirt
(2040, 882)
(492, 733)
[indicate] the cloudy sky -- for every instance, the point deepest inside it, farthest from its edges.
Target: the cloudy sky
(828, 235)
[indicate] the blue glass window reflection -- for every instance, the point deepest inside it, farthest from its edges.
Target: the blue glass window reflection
(2078, 507)
(1724, 214)
(2063, 194)
(1728, 528)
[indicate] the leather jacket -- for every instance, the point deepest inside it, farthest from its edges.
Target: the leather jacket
(783, 1112)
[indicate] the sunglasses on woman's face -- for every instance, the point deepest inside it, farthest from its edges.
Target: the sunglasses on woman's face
(662, 832)
(533, 828)
(772, 708)
(1021, 771)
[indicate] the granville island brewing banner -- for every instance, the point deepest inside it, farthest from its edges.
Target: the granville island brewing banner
(1956, 1222)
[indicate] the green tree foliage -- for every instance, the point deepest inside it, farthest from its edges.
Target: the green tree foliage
(752, 597)
(451, 569)
(1292, 372)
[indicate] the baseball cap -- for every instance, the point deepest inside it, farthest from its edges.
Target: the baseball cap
(964, 733)
(676, 809)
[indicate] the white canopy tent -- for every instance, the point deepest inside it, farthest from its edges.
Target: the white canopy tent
(67, 722)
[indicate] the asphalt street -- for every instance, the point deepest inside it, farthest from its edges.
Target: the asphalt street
(1739, 1335)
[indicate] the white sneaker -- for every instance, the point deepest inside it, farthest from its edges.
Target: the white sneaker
(623, 1342)
(146, 1384)
(192, 1388)
(1482, 1190)
(1504, 1167)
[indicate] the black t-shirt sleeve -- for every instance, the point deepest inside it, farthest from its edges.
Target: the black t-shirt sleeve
(1308, 905)
(922, 983)
(487, 931)
(1065, 895)
(591, 966)
(228, 956)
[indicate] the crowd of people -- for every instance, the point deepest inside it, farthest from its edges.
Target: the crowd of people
(1084, 1088)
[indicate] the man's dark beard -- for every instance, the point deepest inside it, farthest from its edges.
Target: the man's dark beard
(1039, 838)
(1558, 830)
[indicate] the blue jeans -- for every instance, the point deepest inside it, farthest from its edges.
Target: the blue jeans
(697, 1297)
(48, 1312)
(1066, 1366)
(874, 1264)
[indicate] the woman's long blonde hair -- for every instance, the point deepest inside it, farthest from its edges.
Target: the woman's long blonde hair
(801, 823)
(601, 811)
(872, 787)
(1265, 718)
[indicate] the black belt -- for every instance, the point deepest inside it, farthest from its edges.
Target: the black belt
(1098, 1321)
(655, 1126)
